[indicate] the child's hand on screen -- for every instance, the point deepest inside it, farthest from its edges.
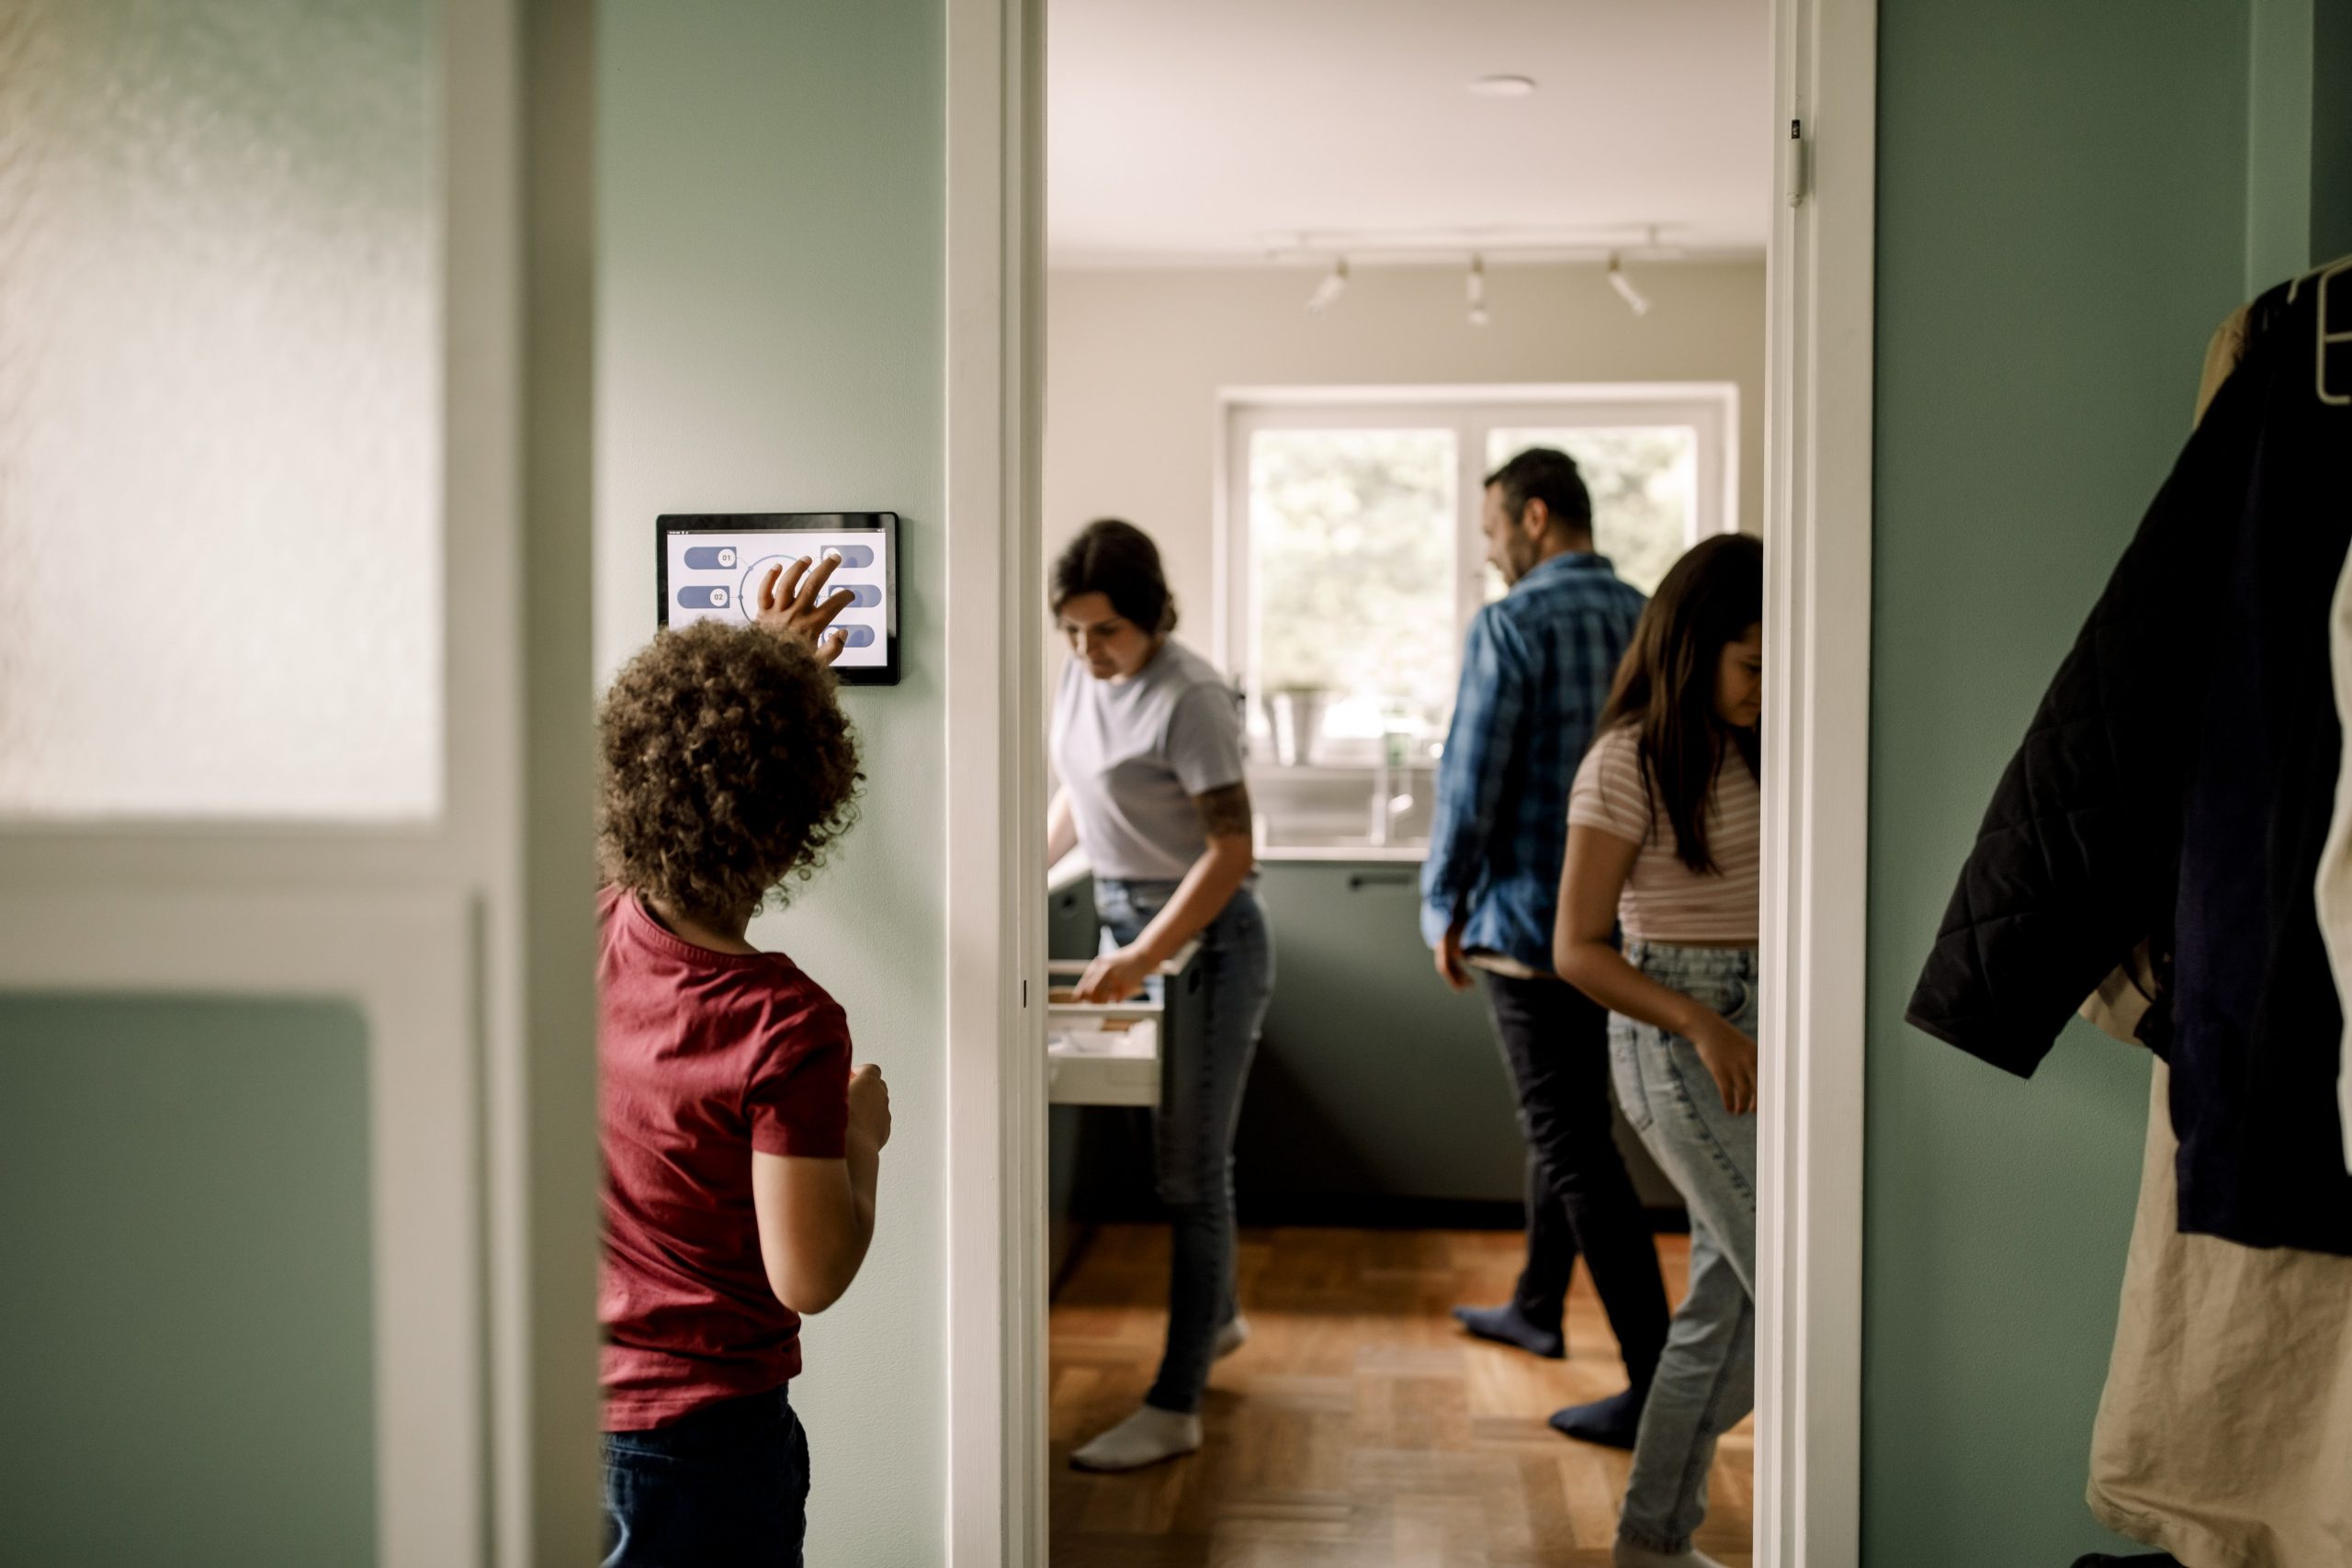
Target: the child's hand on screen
(793, 603)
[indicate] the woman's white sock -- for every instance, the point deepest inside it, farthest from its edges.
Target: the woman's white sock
(1627, 1555)
(1145, 1438)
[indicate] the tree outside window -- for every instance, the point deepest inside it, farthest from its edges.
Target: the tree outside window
(1644, 485)
(1352, 534)
(1358, 556)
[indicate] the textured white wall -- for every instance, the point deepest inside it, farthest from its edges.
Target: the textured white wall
(772, 238)
(1134, 360)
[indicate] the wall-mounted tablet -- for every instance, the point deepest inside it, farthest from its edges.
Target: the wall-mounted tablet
(711, 564)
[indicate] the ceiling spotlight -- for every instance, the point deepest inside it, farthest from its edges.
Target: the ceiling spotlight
(1635, 300)
(1478, 288)
(1326, 292)
(1503, 86)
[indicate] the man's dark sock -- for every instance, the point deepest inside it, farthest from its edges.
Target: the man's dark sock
(1506, 1325)
(1612, 1423)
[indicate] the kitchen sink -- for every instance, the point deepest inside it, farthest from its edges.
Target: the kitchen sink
(1342, 813)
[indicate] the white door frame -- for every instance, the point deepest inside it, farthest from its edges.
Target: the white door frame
(1816, 745)
(1816, 820)
(995, 785)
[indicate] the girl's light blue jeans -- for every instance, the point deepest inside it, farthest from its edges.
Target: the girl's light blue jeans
(1706, 1378)
(1200, 1106)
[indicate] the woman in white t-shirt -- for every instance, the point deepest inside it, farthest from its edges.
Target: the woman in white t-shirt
(1663, 846)
(1147, 743)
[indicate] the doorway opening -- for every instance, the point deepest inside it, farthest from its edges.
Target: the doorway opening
(1309, 278)
(1810, 417)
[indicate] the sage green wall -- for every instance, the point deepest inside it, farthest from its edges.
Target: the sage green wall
(2280, 176)
(2298, 162)
(771, 244)
(186, 1331)
(2062, 224)
(2331, 200)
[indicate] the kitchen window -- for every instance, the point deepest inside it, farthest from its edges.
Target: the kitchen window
(1350, 553)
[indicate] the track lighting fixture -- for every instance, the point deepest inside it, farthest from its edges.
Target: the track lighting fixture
(1334, 252)
(1635, 300)
(1327, 292)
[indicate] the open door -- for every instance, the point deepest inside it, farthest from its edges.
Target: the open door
(297, 1082)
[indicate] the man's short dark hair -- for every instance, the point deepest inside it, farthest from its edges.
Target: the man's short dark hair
(1548, 475)
(1118, 560)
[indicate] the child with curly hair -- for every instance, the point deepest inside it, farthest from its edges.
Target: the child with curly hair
(741, 1151)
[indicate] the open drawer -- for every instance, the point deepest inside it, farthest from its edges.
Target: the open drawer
(1111, 1053)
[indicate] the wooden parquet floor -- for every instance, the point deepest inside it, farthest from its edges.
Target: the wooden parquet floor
(1359, 1427)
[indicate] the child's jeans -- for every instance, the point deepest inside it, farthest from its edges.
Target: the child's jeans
(1706, 1378)
(725, 1487)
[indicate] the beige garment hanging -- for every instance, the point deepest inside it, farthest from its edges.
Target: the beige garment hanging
(2224, 1435)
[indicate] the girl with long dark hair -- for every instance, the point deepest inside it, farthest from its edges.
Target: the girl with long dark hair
(1663, 846)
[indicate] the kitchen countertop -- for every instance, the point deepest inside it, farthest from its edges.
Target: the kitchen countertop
(1397, 854)
(1072, 868)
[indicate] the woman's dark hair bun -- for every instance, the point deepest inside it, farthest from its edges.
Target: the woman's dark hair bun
(1117, 560)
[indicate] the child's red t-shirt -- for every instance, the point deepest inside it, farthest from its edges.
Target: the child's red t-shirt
(706, 1056)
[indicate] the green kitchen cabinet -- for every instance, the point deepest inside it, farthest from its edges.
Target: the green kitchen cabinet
(1374, 1081)
(1378, 1095)
(1070, 928)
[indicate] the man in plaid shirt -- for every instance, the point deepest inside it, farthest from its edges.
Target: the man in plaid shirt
(1535, 674)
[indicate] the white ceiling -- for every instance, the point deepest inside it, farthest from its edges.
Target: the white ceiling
(1198, 130)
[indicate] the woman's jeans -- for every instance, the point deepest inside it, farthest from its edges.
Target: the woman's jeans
(1706, 1378)
(1200, 1104)
(724, 1487)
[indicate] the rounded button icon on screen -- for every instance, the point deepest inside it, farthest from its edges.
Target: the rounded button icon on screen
(854, 556)
(864, 595)
(857, 637)
(727, 554)
(702, 597)
(719, 598)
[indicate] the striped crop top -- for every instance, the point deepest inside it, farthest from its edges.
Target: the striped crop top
(1663, 900)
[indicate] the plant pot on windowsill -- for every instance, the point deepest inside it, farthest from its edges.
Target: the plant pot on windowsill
(1294, 719)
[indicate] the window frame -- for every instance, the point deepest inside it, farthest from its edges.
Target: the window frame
(1711, 409)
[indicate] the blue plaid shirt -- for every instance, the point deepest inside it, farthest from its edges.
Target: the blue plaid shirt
(1535, 674)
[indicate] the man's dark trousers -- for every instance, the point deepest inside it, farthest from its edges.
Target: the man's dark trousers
(1579, 1198)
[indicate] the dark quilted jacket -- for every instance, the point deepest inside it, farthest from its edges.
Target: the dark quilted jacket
(2174, 786)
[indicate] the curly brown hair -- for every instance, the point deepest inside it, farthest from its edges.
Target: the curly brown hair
(728, 767)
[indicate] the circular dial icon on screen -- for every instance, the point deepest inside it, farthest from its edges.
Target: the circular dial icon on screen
(863, 595)
(748, 599)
